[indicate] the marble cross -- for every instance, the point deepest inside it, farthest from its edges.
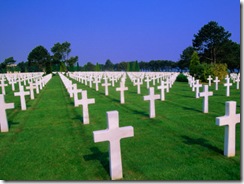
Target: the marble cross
(162, 87)
(2, 85)
(197, 86)
(152, 97)
(113, 134)
(3, 114)
(31, 88)
(138, 83)
(216, 81)
(22, 95)
(205, 94)
(209, 80)
(122, 88)
(75, 92)
(237, 80)
(106, 84)
(85, 102)
(228, 84)
(147, 80)
(229, 121)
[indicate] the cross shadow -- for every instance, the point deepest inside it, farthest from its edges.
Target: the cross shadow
(102, 157)
(11, 123)
(192, 109)
(202, 142)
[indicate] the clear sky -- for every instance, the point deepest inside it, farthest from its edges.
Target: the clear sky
(119, 30)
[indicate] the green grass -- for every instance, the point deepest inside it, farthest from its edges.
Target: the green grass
(49, 142)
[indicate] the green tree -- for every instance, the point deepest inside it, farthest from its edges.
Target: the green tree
(97, 68)
(38, 58)
(63, 67)
(109, 66)
(209, 40)
(61, 53)
(71, 61)
(194, 64)
(185, 58)
(231, 55)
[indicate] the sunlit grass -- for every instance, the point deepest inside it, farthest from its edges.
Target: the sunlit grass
(49, 142)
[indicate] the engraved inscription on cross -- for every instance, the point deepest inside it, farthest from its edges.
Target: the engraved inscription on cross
(113, 134)
(3, 115)
(229, 121)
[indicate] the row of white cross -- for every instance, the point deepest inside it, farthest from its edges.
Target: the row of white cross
(114, 133)
(4, 106)
(230, 119)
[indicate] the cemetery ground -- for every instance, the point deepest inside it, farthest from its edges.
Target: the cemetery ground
(48, 141)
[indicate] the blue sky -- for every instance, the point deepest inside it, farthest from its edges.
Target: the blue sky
(119, 30)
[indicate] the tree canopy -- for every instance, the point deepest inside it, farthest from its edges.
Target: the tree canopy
(209, 42)
(38, 57)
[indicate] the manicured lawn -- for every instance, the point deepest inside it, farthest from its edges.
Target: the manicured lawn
(49, 142)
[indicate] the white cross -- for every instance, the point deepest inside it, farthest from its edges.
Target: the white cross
(85, 102)
(167, 84)
(152, 97)
(96, 81)
(3, 86)
(147, 80)
(90, 81)
(216, 81)
(138, 83)
(12, 82)
(228, 84)
(106, 84)
(162, 87)
(209, 80)
(36, 84)
(197, 86)
(192, 83)
(31, 88)
(75, 94)
(205, 94)
(22, 94)
(122, 88)
(237, 82)
(112, 79)
(3, 115)
(229, 121)
(113, 134)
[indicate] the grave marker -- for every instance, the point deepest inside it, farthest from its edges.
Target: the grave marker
(162, 87)
(3, 114)
(85, 102)
(227, 85)
(209, 80)
(197, 86)
(205, 94)
(229, 121)
(113, 134)
(106, 84)
(22, 95)
(122, 88)
(216, 81)
(152, 97)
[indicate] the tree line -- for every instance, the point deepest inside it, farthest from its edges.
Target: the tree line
(212, 44)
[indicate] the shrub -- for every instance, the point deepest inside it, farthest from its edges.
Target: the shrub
(181, 78)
